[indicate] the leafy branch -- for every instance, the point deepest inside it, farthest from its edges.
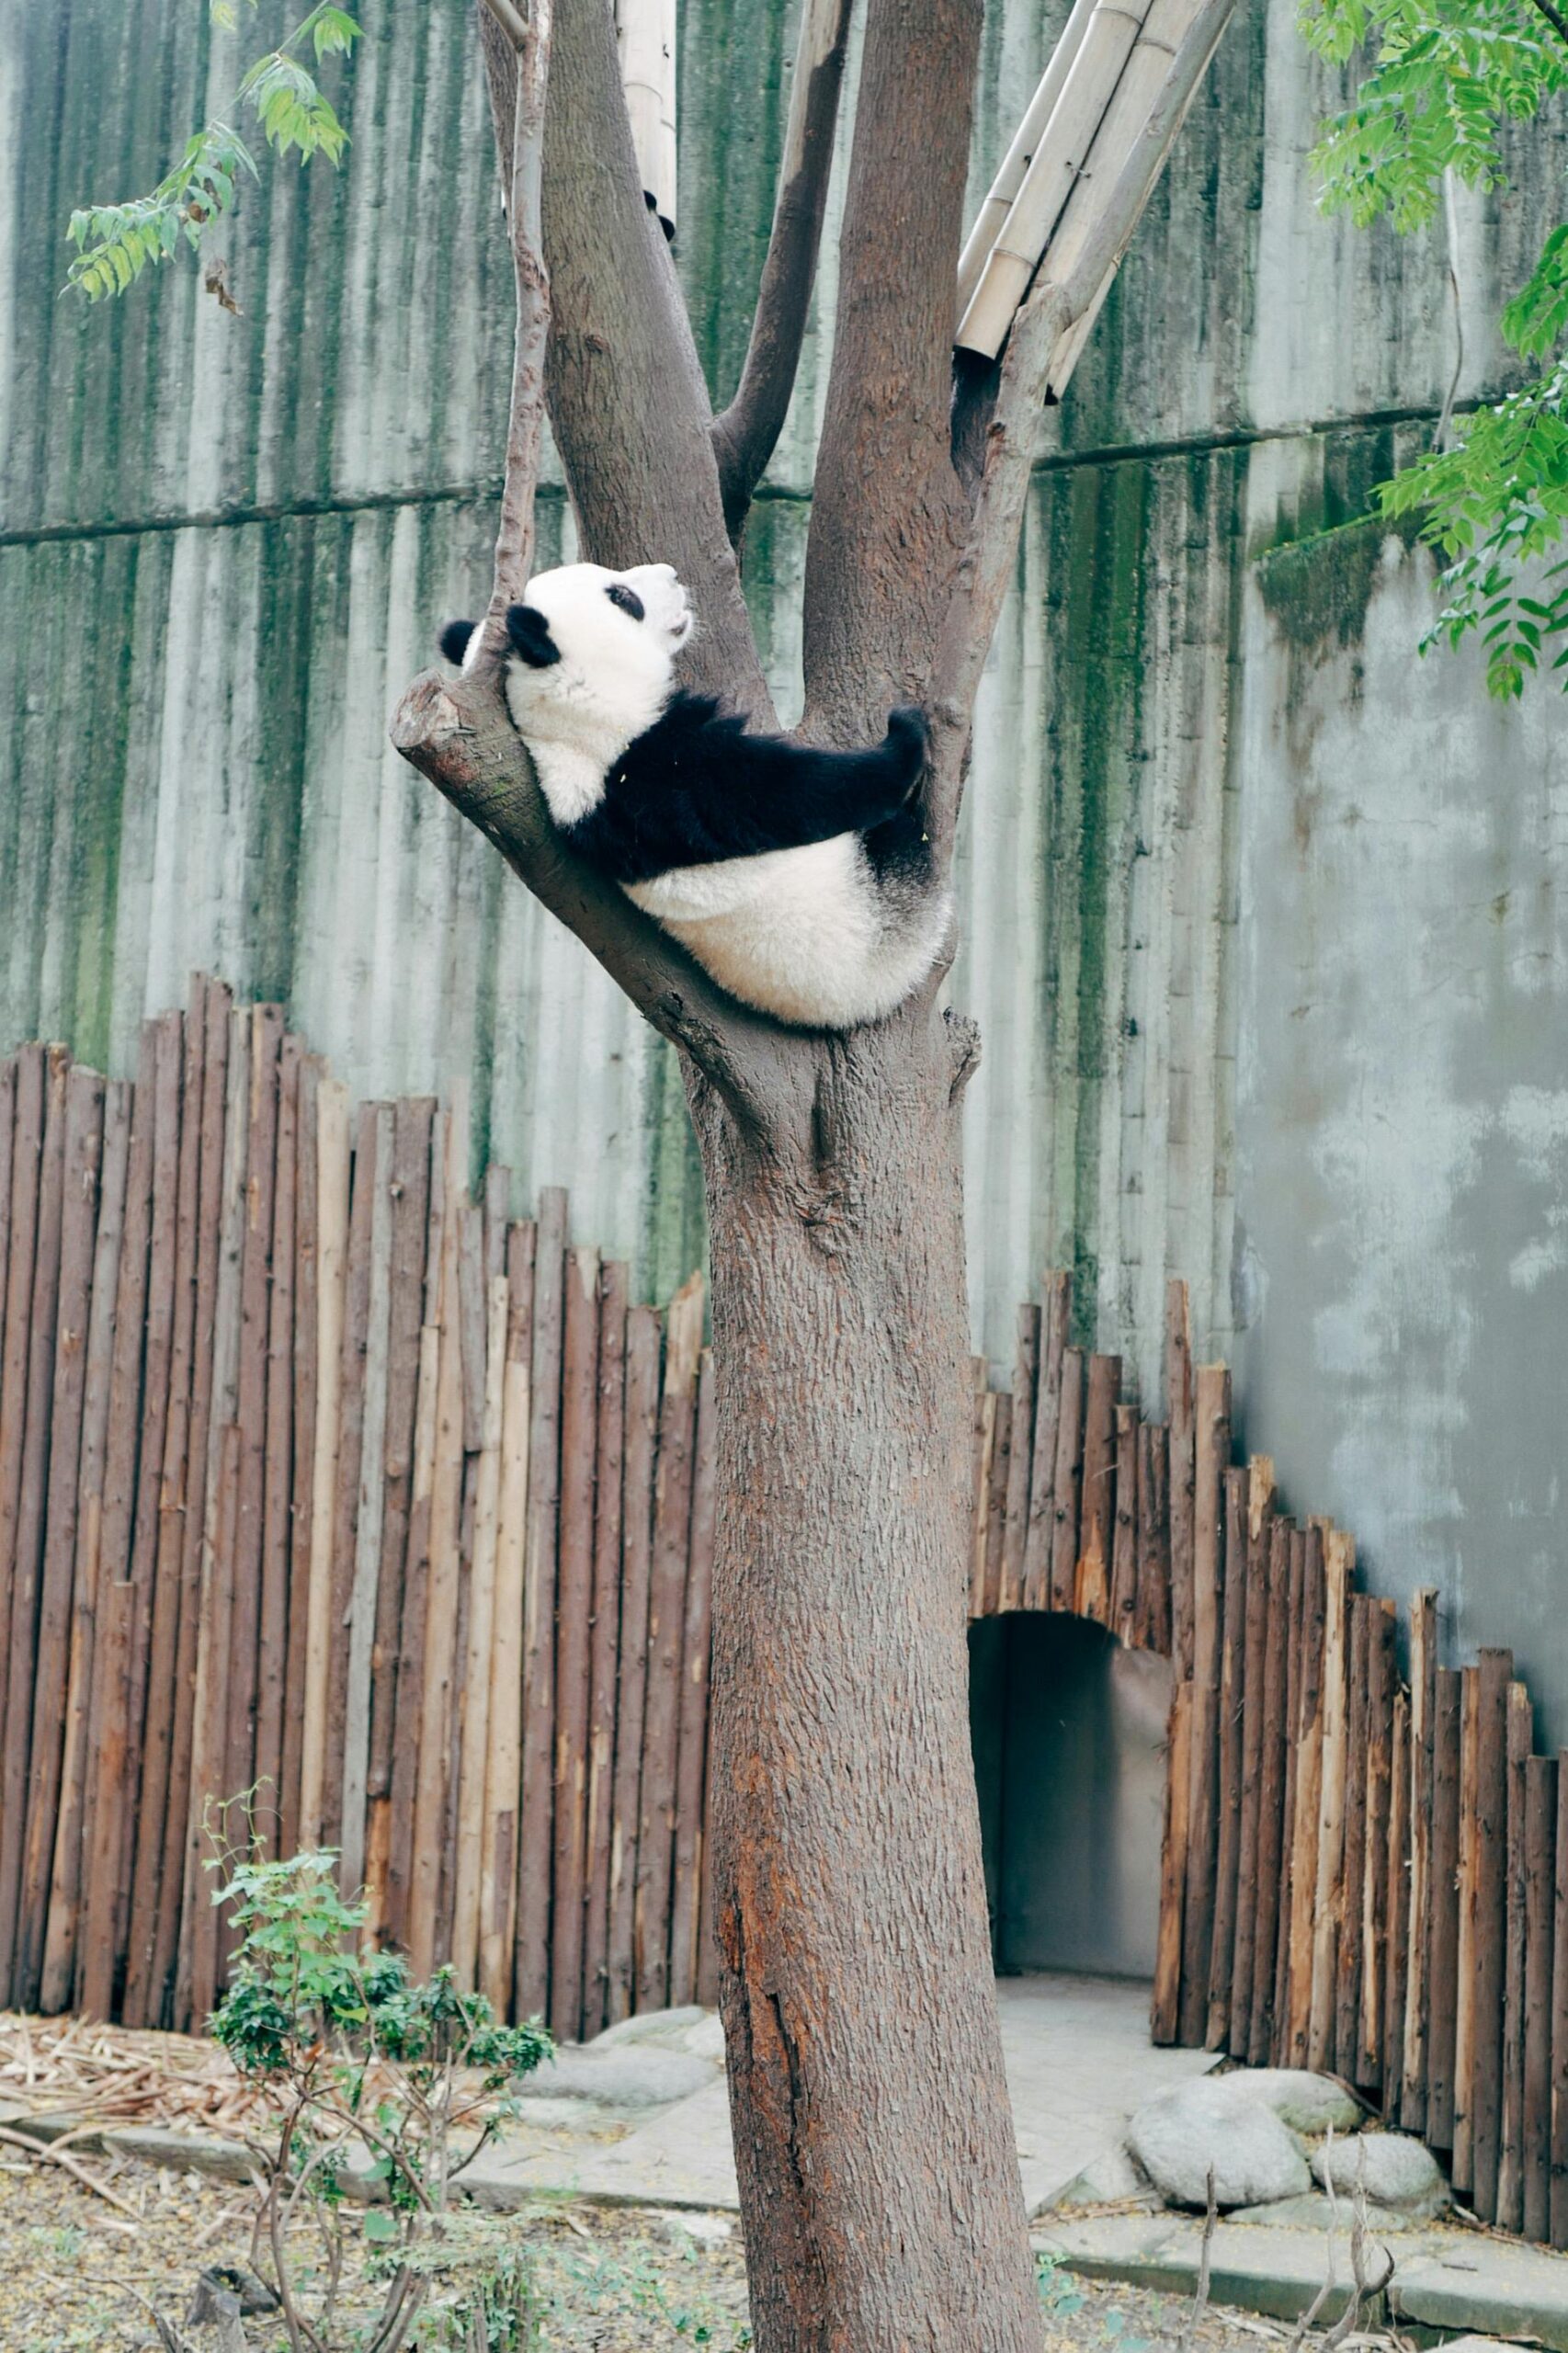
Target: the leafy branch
(115, 243)
(1445, 75)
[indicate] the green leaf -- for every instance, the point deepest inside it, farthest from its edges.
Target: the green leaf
(380, 2226)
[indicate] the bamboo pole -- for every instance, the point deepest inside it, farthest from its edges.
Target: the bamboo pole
(358, 1634)
(1069, 1481)
(692, 1753)
(993, 214)
(71, 1825)
(28, 1545)
(666, 1616)
(1423, 1703)
(1442, 1964)
(331, 1269)
(1026, 1380)
(482, 1632)
(610, 1445)
(1056, 1313)
(626, 1799)
(531, 1968)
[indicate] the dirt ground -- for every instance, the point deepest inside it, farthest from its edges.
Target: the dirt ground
(76, 2272)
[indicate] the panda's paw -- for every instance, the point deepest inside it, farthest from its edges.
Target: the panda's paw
(909, 740)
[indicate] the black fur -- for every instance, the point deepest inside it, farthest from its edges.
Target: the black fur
(455, 638)
(696, 789)
(531, 640)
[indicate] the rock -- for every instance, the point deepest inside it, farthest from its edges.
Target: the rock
(652, 2026)
(1308, 2103)
(1179, 2136)
(1111, 2179)
(705, 2039)
(1313, 2213)
(628, 2075)
(1396, 2170)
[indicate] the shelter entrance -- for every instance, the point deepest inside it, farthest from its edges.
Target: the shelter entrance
(1069, 1733)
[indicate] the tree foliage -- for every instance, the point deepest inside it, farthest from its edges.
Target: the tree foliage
(115, 243)
(1447, 75)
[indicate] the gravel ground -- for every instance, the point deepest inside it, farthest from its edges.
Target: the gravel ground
(75, 2273)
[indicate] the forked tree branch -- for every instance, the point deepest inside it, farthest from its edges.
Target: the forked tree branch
(888, 515)
(746, 434)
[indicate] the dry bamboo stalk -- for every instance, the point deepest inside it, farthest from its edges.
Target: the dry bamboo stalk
(1154, 1613)
(1338, 1564)
(1423, 1697)
(1069, 1481)
(1309, 1805)
(1182, 1450)
(358, 1635)
(996, 1500)
(531, 1964)
(504, 1771)
(1010, 177)
(1124, 1551)
(1519, 1741)
(367, 1188)
(1056, 1314)
(331, 1269)
(1233, 1668)
(610, 1444)
(412, 1120)
(666, 1616)
(692, 1756)
(436, 1703)
(482, 1631)
(1211, 1452)
(1442, 1966)
(70, 1822)
(1060, 152)
(161, 1762)
(28, 1567)
(1165, 2007)
(1255, 1649)
(626, 1799)
(84, 1158)
(1026, 1375)
(277, 1494)
(1091, 1575)
(982, 1449)
(307, 1362)
(1495, 1669)
(265, 1023)
(1541, 1822)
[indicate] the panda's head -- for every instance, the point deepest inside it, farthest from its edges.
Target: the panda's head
(592, 655)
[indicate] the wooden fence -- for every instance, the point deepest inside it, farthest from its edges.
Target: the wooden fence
(318, 1475)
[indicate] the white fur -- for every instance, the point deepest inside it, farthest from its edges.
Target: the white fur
(806, 935)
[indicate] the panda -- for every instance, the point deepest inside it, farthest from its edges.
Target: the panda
(801, 879)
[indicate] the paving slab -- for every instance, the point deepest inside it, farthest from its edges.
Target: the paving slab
(1445, 2281)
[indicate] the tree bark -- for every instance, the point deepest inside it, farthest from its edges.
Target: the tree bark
(873, 2141)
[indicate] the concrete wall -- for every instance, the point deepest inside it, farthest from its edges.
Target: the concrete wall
(224, 546)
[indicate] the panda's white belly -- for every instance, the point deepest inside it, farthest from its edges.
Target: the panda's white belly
(806, 935)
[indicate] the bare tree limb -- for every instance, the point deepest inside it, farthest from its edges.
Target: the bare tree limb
(458, 733)
(524, 426)
(746, 434)
(888, 515)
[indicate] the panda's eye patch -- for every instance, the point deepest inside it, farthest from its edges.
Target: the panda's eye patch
(627, 598)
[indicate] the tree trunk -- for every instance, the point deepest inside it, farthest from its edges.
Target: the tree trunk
(878, 2175)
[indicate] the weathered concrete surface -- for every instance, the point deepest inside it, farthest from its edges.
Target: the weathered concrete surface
(1265, 922)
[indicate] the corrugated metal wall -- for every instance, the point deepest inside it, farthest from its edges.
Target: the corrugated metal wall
(224, 546)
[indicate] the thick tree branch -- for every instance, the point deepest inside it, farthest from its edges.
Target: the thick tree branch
(888, 515)
(525, 427)
(458, 733)
(746, 435)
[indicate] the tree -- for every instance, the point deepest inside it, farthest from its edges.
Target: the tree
(1493, 494)
(879, 2180)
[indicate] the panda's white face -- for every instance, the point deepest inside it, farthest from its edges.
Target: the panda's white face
(593, 667)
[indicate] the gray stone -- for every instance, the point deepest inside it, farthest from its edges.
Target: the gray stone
(1178, 2137)
(652, 2026)
(628, 2075)
(1113, 2179)
(1314, 2211)
(1307, 2102)
(1394, 2169)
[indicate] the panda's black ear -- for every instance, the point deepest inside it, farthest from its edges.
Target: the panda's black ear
(531, 640)
(454, 640)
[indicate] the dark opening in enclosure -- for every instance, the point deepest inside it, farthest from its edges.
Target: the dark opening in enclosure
(1069, 1733)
